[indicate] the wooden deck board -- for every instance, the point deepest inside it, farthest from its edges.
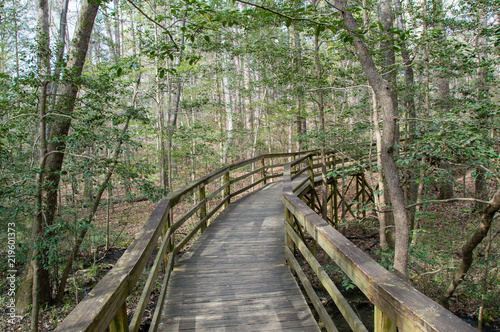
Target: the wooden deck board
(234, 278)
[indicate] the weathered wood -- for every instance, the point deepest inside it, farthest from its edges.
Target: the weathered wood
(299, 173)
(246, 175)
(320, 309)
(409, 309)
(99, 308)
(150, 283)
(349, 315)
(227, 189)
(263, 175)
(120, 322)
(250, 186)
(382, 322)
(235, 269)
(203, 209)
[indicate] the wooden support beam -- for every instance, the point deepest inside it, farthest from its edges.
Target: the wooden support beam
(263, 174)
(382, 322)
(120, 322)
(203, 209)
(227, 189)
(318, 305)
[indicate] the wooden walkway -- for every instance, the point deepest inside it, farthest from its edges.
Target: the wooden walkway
(234, 277)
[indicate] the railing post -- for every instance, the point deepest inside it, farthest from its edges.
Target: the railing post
(363, 196)
(311, 180)
(289, 219)
(272, 169)
(335, 207)
(120, 322)
(227, 190)
(263, 172)
(203, 209)
(382, 322)
(170, 244)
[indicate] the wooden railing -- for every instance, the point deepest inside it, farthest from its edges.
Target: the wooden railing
(106, 305)
(397, 304)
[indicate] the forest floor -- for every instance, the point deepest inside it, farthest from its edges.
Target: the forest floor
(444, 230)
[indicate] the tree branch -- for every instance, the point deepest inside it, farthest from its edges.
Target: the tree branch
(458, 199)
(286, 16)
(155, 22)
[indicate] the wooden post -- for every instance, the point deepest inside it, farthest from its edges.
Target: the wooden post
(292, 169)
(311, 181)
(289, 219)
(263, 172)
(335, 202)
(120, 322)
(363, 194)
(203, 209)
(272, 169)
(382, 322)
(227, 190)
(357, 195)
(170, 244)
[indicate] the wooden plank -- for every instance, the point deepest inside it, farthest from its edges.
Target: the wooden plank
(347, 312)
(408, 308)
(234, 271)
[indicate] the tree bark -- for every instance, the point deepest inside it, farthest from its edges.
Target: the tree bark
(65, 104)
(43, 54)
(97, 200)
(386, 218)
(383, 93)
(468, 249)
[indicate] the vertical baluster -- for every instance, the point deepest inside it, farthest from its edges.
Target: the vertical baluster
(227, 190)
(289, 219)
(382, 322)
(311, 181)
(263, 172)
(203, 209)
(120, 322)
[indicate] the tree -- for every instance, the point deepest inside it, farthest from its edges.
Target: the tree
(56, 145)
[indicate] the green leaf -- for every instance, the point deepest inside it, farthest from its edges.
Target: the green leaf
(381, 27)
(317, 30)
(207, 38)
(288, 22)
(161, 73)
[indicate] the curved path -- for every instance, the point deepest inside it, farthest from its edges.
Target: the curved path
(234, 278)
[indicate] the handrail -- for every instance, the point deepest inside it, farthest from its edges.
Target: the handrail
(397, 303)
(105, 305)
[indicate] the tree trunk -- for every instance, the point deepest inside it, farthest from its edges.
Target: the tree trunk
(468, 249)
(301, 120)
(382, 91)
(229, 116)
(97, 200)
(58, 132)
(481, 186)
(43, 54)
(386, 218)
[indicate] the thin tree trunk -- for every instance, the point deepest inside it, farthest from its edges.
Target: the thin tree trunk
(97, 200)
(468, 249)
(229, 117)
(58, 132)
(481, 186)
(43, 41)
(386, 218)
(382, 91)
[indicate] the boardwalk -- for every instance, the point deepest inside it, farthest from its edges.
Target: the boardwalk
(234, 277)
